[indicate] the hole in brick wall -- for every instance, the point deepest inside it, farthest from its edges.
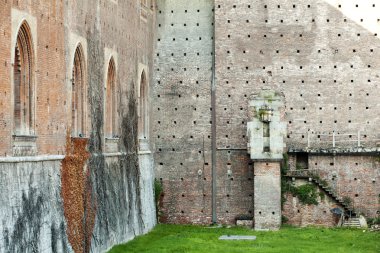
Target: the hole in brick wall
(228, 195)
(273, 213)
(183, 195)
(181, 164)
(298, 211)
(259, 212)
(356, 195)
(232, 179)
(204, 180)
(181, 178)
(182, 212)
(331, 164)
(355, 179)
(226, 211)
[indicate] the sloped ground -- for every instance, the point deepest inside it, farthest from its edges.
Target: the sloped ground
(175, 238)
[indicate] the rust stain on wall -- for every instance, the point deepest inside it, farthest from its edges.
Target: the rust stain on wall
(78, 199)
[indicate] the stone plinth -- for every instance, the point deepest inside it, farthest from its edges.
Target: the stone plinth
(267, 196)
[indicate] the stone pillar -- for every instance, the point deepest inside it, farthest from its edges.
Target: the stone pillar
(266, 130)
(267, 196)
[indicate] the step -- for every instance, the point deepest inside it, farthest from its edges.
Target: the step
(352, 221)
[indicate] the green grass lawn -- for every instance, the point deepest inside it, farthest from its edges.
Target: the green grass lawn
(177, 239)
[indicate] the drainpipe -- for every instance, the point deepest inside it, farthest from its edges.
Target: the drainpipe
(213, 126)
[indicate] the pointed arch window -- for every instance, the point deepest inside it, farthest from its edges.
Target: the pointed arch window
(78, 95)
(112, 96)
(23, 78)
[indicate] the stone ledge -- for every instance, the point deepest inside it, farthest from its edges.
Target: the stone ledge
(24, 145)
(112, 145)
(340, 151)
(43, 158)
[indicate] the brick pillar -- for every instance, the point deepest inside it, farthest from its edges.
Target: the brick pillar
(267, 196)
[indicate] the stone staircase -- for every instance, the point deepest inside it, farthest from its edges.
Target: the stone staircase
(308, 174)
(351, 223)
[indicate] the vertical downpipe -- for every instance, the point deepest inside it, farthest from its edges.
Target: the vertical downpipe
(213, 125)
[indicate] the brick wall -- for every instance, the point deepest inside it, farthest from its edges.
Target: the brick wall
(321, 56)
(49, 69)
(181, 109)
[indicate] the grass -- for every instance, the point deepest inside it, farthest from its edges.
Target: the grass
(177, 239)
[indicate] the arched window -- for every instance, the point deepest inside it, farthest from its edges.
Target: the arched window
(111, 119)
(23, 78)
(143, 108)
(78, 95)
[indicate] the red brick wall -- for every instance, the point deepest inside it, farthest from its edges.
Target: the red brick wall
(49, 75)
(302, 215)
(356, 177)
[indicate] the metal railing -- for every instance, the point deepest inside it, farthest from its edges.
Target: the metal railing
(335, 139)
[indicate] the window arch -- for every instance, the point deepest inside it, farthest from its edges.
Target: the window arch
(143, 108)
(23, 80)
(112, 96)
(78, 95)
